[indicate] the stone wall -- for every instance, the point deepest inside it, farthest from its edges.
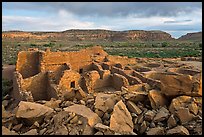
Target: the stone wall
(28, 63)
(37, 85)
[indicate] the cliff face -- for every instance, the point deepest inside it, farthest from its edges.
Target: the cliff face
(192, 36)
(91, 35)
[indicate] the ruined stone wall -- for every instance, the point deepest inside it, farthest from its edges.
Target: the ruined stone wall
(122, 60)
(77, 60)
(119, 81)
(28, 63)
(37, 85)
(94, 81)
(70, 79)
(17, 86)
(131, 79)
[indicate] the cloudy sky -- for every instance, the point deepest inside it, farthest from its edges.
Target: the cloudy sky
(176, 18)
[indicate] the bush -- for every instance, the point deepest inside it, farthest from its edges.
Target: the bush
(33, 45)
(49, 45)
(165, 44)
(6, 87)
(200, 45)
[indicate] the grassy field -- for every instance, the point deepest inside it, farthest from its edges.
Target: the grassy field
(149, 49)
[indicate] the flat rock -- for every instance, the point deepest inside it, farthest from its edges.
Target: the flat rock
(179, 130)
(157, 99)
(32, 111)
(156, 131)
(121, 120)
(31, 132)
(184, 115)
(86, 112)
(105, 102)
(6, 131)
(132, 107)
(149, 115)
(163, 114)
(53, 103)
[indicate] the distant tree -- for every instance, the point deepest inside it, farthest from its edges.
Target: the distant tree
(165, 44)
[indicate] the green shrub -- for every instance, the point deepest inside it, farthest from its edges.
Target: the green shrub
(33, 45)
(6, 87)
(164, 44)
(49, 45)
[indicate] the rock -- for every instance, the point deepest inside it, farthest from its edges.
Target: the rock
(140, 119)
(133, 108)
(106, 116)
(156, 131)
(32, 111)
(86, 112)
(193, 108)
(179, 130)
(5, 103)
(35, 125)
(69, 95)
(61, 130)
(171, 121)
(149, 115)
(136, 96)
(31, 132)
(105, 102)
(101, 127)
(58, 118)
(6, 131)
(82, 102)
(174, 84)
(184, 115)
(88, 130)
(17, 127)
(179, 102)
(157, 99)
(98, 133)
(74, 120)
(42, 131)
(143, 127)
(162, 115)
(53, 103)
(121, 120)
(152, 125)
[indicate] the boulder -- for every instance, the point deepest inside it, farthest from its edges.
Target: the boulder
(149, 115)
(32, 111)
(121, 120)
(184, 115)
(105, 102)
(183, 102)
(179, 130)
(157, 99)
(171, 121)
(53, 103)
(133, 108)
(31, 132)
(162, 115)
(86, 112)
(156, 131)
(174, 84)
(136, 96)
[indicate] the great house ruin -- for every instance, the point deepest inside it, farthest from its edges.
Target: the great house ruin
(42, 75)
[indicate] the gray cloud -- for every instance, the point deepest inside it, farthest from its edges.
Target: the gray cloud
(139, 9)
(178, 21)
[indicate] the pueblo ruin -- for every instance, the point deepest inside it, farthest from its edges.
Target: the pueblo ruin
(89, 92)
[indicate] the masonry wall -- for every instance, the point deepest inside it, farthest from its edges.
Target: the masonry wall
(17, 86)
(37, 85)
(28, 63)
(79, 59)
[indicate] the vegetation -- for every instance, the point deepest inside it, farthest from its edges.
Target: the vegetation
(6, 87)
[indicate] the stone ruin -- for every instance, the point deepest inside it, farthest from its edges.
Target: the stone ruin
(122, 95)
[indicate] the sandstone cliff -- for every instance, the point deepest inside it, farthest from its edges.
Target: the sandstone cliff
(92, 35)
(192, 36)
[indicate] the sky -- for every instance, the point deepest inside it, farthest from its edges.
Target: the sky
(175, 18)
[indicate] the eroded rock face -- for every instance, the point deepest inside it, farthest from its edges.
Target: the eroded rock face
(32, 111)
(121, 119)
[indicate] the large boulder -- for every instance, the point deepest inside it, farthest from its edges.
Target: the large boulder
(157, 99)
(121, 119)
(105, 102)
(32, 111)
(86, 112)
(174, 84)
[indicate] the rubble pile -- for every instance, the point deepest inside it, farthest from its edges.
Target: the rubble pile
(143, 99)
